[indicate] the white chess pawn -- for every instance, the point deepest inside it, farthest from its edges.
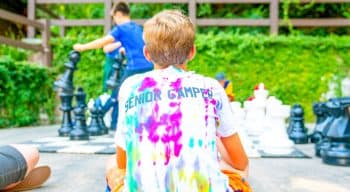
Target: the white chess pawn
(108, 116)
(90, 105)
(271, 103)
(238, 114)
(255, 111)
(275, 140)
(255, 114)
(261, 94)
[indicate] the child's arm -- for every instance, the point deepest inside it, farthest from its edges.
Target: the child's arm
(235, 152)
(111, 47)
(95, 44)
(121, 158)
(225, 160)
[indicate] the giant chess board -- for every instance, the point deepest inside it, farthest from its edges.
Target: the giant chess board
(95, 145)
(105, 145)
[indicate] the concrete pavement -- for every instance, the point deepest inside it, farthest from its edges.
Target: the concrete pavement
(85, 173)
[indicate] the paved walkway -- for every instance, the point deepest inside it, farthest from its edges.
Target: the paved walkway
(85, 173)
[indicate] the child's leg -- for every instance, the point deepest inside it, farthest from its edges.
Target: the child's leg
(114, 176)
(26, 159)
(110, 164)
(107, 71)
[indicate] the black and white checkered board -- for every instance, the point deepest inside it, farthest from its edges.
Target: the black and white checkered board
(95, 145)
(105, 145)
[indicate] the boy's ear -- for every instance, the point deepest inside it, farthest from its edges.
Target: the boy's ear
(192, 53)
(147, 54)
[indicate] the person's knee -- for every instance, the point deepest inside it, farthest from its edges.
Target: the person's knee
(30, 154)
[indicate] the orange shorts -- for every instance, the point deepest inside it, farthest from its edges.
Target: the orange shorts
(237, 182)
(115, 180)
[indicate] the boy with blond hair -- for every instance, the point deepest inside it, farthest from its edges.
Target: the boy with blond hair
(169, 120)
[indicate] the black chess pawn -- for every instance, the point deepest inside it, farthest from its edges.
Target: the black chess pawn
(338, 133)
(291, 115)
(94, 128)
(101, 121)
(297, 130)
(79, 131)
(319, 110)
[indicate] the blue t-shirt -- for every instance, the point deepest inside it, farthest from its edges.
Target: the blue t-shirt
(130, 36)
(113, 53)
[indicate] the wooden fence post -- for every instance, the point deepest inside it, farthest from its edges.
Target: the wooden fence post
(108, 19)
(45, 35)
(192, 9)
(31, 16)
(62, 28)
(274, 20)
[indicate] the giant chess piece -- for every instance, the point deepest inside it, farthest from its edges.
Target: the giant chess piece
(338, 134)
(290, 116)
(275, 139)
(79, 131)
(113, 81)
(66, 107)
(322, 128)
(255, 111)
(101, 121)
(65, 83)
(297, 131)
(319, 110)
(238, 115)
(94, 128)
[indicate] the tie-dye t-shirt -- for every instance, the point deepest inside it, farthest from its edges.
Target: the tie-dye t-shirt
(168, 122)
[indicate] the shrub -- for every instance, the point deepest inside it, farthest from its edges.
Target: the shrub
(294, 69)
(25, 92)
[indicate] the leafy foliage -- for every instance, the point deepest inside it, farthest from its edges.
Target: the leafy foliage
(25, 91)
(90, 68)
(287, 9)
(294, 69)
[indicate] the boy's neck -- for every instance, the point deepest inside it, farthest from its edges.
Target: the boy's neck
(179, 66)
(123, 20)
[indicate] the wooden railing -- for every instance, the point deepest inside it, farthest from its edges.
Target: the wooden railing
(42, 25)
(273, 21)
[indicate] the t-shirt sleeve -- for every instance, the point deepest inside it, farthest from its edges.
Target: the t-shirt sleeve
(226, 124)
(121, 128)
(115, 32)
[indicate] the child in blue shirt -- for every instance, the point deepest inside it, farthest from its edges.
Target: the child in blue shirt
(129, 35)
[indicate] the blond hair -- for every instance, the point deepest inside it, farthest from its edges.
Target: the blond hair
(169, 37)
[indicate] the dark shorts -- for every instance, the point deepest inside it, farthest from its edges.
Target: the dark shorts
(13, 166)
